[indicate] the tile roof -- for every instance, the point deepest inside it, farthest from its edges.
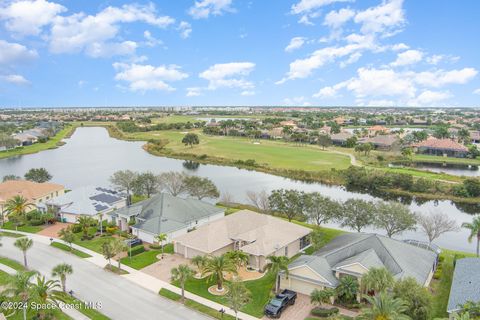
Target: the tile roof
(466, 283)
(28, 189)
(263, 233)
(444, 144)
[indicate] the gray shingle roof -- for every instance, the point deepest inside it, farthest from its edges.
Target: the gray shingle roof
(465, 284)
(372, 250)
(164, 213)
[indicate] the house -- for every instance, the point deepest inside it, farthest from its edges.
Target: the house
(164, 213)
(25, 139)
(35, 193)
(465, 284)
(256, 234)
(442, 147)
(340, 139)
(382, 142)
(86, 201)
(354, 254)
(475, 136)
(288, 123)
(377, 129)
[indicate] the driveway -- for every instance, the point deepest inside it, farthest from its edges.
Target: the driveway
(52, 230)
(161, 269)
(120, 298)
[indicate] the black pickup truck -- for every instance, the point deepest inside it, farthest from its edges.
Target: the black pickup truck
(281, 301)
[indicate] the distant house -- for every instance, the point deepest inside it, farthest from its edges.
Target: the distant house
(382, 142)
(164, 213)
(35, 193)
(25, 139)
(325, 130)
(354, 254)
(377, 129)
(86, 201)
(465, 284)
(340, 139)
(442, 147)
(276, 133)
(288, 123)
(256, 234)
(475, 136)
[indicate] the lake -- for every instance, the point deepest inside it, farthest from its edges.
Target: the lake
(453, 169)
(90, 157)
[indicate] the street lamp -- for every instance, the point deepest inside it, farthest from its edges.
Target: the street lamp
(222, 311)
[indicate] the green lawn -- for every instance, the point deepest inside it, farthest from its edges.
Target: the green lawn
(52, 143)
(10, 234)
(260, 291)
(30, 229)
(67, 248)
(429, 158)
(92, 313)
(141, 260)
(12, 264)
(94, 244)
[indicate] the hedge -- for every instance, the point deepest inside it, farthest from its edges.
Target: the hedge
(324, 313)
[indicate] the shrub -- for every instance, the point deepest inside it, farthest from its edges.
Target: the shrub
(76, 228)
(137, 250)
(324, 313)
(111, 230)
(36, 222)
(155, 246)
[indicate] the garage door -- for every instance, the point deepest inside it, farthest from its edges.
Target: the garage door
(299, 286)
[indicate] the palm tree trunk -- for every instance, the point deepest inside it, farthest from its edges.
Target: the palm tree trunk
(25, 258)
(478, 245)
(25, 312)
(277, 283)
(64, 284)
(183, 292)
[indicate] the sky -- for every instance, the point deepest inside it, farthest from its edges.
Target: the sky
(63, 53)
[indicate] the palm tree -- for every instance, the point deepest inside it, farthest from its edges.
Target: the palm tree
(46, 292)
(61, 271)
(377, 280)
(19, 286)
(385, 307)
(275, 265)
(67, 235)
(321, 296)
(237, 296)
(199, 262)
(238, 257)
(17, 206)
(474, 228)
(160, 238)
(347, 288)
(216, 266)
(181, 274)
(24, 244)
(84, 222)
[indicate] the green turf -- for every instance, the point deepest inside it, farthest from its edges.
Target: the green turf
(94, 244)
(141, 260)
(30, 229)
(12, 264)
(67, 248)
(10, 234)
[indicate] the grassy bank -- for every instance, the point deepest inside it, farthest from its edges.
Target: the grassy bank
(66, 248)
(52, 143)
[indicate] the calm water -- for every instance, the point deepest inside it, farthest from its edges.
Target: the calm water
(91, 156)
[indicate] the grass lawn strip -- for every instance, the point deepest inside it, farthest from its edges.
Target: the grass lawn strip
(29, 229)
(67, 248)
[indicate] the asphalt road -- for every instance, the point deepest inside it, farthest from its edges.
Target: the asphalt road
(120, 298)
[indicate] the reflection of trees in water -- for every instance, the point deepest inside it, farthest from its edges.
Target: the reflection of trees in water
(191, 165)
(386, 196)
(470, 208)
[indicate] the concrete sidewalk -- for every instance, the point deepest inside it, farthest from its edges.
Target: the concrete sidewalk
(138, 277)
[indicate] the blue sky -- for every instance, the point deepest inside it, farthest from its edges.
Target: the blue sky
(231, 52)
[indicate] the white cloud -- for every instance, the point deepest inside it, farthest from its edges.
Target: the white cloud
(428, 98)
(185, 29)
(326, 92)
(13, 53)
(295, 43)
(147, 77)
(15, 79)
(29, 16)
(336, 19)
(399, 47)
(204, 8)
(310, 9)
(194, 92)
(408, 57)
(230, 75)
(92, 34)
(441, 78)
(151, 41)
(384, 19)
(477, 91)
(248, 93)
(381, 103)
(296, 101)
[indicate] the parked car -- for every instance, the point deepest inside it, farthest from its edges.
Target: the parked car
(133, 242)
(278, 304)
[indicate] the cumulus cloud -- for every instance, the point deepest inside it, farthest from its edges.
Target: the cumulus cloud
(229, 75)
(247, 93)
(439, 78)
(14, 53)
(428, 98)
(15, 79)
(204, 8)
(477, 91)
(95, 34)
(385, 19)
(295, 43)
(194, 92)
(408, 57)
(309, 9)
(147, 77)
(326, 92)
(29, 16)
(150, 40)
(336, 19)
(185, 29)
(296, 101)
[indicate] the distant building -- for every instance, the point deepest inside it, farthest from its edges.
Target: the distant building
(87, 201)
(381, 142)
(35, 193)
(340, 139)
(442, 147)
(465, 284)
(25, 139)
(377, 129)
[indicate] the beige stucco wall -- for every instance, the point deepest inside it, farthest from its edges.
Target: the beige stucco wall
(293, 249)
(355, 268)
(298, 285)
